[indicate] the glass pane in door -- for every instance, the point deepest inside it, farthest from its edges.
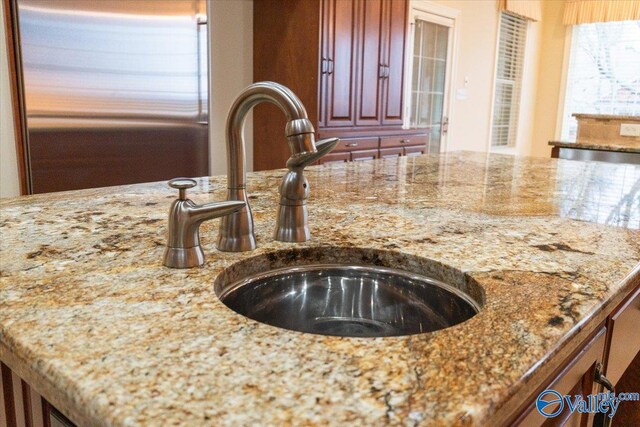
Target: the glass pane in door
(428, 81)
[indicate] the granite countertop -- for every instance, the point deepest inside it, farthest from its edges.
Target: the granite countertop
(91, 319)
(621, 146)
(605, 116)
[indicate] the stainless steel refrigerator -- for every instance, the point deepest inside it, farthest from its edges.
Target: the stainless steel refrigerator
(115, 91)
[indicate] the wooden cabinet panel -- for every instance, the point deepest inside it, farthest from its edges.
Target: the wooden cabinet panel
(330, 54)
(335, 158)
(364, 155)
(351, 144)
(577, 377)
(20, 405)
(368, 96)
(341, 63)
(393, 57)
(415, 150)
(386, 153)
(402, 140)
(625, 337)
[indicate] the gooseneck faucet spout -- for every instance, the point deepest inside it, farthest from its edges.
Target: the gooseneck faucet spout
(236, 230)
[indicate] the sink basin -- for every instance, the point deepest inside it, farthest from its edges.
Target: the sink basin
(347, 299)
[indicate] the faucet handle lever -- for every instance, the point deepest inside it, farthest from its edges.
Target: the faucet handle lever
(323, 147)
(182, 184)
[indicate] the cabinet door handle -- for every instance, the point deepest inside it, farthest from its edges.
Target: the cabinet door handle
(324, 67)
(386, 75)
(381, 71)
(330, 70)
(602, 419)
(352, 144)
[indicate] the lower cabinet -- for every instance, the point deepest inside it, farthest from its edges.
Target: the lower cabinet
(369, 148)
(611, 354)
(21, 406)
(623, 326)
(577, 378)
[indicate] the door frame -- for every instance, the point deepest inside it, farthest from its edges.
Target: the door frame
(441, 15)
(14, 60)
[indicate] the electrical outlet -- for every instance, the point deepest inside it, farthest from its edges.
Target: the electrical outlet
(628, 129)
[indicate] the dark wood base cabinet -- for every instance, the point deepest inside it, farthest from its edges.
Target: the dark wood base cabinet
(22, 406)
(345, 61)
(612, 350)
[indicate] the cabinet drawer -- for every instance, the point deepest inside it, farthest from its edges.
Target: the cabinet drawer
(351, 144)
(401, 140)
(576, 378)
(625, 338)
(385, 153)
(334, 158)
(415, 150)
(364, 155)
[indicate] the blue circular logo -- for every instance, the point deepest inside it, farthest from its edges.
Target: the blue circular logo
(546, 401)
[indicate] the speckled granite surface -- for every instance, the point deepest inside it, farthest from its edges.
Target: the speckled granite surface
(625, 147)
(94, 322)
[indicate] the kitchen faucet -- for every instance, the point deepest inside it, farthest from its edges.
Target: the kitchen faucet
(236, 229)
(183, 244)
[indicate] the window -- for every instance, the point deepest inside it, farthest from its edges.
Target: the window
(508, 80)
(604, 72)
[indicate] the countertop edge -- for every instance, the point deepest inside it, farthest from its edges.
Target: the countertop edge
(597, 146)
(47, 389)
(544, 369)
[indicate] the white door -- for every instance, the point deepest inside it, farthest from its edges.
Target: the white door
(430, 70)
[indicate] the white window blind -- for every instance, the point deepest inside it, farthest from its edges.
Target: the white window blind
(508, 79)
(604, 72)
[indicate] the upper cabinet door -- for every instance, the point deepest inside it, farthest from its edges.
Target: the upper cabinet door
(394, 32)
(339, 64)
(370, 63)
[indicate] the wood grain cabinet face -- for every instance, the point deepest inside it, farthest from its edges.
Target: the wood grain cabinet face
(624, 326)
(394, 23)
(577, 377)
(343, 58)
(370, 64)
(364, 155)
(353, 144)
(338, 62)
(386, 153)
(335, 158)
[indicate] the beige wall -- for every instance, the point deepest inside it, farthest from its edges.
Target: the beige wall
(550, 70)
(476, 57)
(9, 185)
(231, 41)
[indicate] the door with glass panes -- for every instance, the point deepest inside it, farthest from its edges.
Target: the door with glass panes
(430, 60)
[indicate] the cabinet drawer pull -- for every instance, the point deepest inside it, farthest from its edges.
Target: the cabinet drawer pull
(602, 419)
(405, 141)
(352, 144)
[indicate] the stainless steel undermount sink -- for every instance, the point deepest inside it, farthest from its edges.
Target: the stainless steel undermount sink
(351, 299)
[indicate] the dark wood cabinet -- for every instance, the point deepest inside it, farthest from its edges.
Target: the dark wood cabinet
(343, 58)
(394, 24)
(370, 68)
(338, 62)
(613, 350)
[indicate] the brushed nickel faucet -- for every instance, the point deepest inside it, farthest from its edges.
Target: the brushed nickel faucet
(236, 230)
(183, 246)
